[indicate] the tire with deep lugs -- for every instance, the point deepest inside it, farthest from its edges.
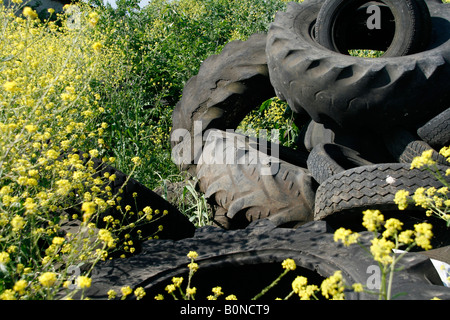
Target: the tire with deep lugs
(348, 92)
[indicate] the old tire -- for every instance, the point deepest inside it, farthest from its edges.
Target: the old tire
(436, 132)
(244, 261)
(404, 146)
(227, 87)
(369, 187)
(252, 185)
(355, 93)
(405, 26)
(369, 145)
(328, 159)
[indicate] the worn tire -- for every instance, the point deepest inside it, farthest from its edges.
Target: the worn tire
(369, 145)
(405, 24)
(436, 132)
(227, 87)
(405, 146)
(252, 185)
(244, 261)
(351, 92)
(328, 159)
(370, 187)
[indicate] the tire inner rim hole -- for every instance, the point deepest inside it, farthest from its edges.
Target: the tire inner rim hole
(355, 29)
(243, 280)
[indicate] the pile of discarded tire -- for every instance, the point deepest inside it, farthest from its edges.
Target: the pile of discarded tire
(363, 121)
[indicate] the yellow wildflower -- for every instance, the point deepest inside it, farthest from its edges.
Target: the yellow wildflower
(139, 293)
(83, 282)
(17, 223)
(47, 279)
(401, 199)
(29, 13)
(20, 286)
(333, 287)
(289, 264)
(191, 254)
(10, 86)
(423, 160)
(346, 236)
(372, 219)
(381, 250)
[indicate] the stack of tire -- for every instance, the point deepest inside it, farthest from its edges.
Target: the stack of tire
(363, 121)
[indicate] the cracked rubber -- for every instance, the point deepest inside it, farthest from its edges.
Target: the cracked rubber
(252, 185)
(356, 93)
(237, 261)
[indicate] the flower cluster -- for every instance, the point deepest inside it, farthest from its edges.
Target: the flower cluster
(49, 112)
(435, 201)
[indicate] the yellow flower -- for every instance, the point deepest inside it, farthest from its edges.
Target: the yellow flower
(97, 46)
(372, 219)
(346, 236)
(298, 283)
(231, 297)
(136, 160)
(357, 287)
(47, 279)
(289, 264)
(406, 236)
(139, 293)
(217, 291)
(20, 286)
(170, 288)
(423, 160)
(392, 226)
(381, 250)
(191, 291)
(111, 294)
(423, 235)
(193, 266)
(4, 257)
(8, 294)
(333, 287)
(29, 13)
(10, 86)
(17, 223)
(177, 281)
(93, 18)
(401, 199)
(159, 297)
(126, 291)
(83, 282)
(191, 254)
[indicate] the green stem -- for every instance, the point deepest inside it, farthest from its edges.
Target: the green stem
(274, 283)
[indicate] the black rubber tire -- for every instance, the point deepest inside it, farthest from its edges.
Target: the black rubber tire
(370, 187)
(369, 145)
(244, 261)
(354, 93)
(405, 146)
(328, 159)
(253, 185)
(436, 132)
(410, 31)
(227, 87)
